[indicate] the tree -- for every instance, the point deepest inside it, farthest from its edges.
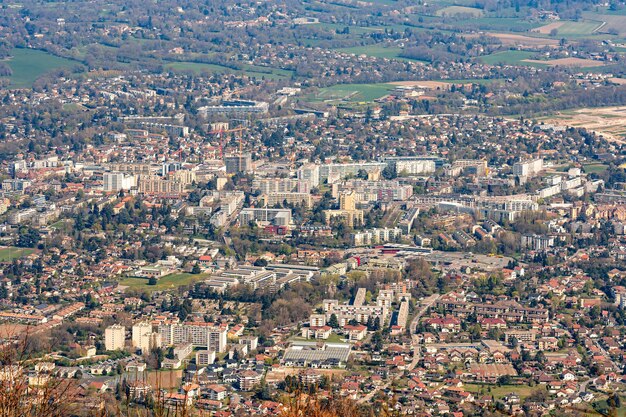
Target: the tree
(152, 281)
(333, 322)
(377, 341)
(196, 269)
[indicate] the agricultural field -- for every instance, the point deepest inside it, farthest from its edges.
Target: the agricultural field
(570, 28)
(568, 62)
(512, 57)
(251, 70)
(29, 64)
(168, 282)
(378, 51)
(612, 22)
(459, 10)
(514, 40)
(7, 254)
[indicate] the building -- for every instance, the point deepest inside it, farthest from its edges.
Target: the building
(204, 335)
(347, 210)
(235, 107)
(238, 163)
(277, 217)
(310, 173)
(528, 168)
(272, 199)
(114, 337)
(537, 242)
(153, 184)
(411, 165)
(248, 380)
(116, 181)
(205, 357)
(340, 171)
(144, 338)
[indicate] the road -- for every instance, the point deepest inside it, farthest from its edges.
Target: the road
(426, 304)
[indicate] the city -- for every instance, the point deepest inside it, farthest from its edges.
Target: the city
(336, 209)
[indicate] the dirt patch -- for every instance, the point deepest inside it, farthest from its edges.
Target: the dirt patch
(619, 81)
(548, 28)
(165, 379)
(568, 62)
(426, 85)
(11, 330)
(607, 121)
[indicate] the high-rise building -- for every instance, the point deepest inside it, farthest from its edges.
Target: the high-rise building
(144, 338)
(116, 181)
(114, 337)
(310, 173)
(238, 163)
(528, 168)
(205, 335)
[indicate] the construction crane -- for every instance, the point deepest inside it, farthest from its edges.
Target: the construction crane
(221, 132)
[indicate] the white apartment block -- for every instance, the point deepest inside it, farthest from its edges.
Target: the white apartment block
(205, 335)
(114, 337)
(528, 168)
(310, 173)
(116, 181)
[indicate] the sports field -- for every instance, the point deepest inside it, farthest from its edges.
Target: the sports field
(7, 254)
(354, 92)
(168, 282)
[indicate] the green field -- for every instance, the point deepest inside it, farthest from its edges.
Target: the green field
(510, 57)
(595, 168)
(29, 64)
(459, 10)
(581, 28)
(251, 70)
(8, 254)
(378, 51)
(354, 92)
(500, 391)
(168, 282)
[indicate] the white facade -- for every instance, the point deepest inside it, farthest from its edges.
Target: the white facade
(114, 337)
(116, 181)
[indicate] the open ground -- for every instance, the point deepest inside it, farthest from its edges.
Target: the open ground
(607, 121)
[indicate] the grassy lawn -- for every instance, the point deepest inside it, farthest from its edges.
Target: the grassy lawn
(29, 64)
(7, 254)
(168, 282)
(595, 168)
(511, 58)
(354, 92)
(498, 392)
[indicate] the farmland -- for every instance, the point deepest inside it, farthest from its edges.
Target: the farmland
(510, 57)
(29, 64)
(459, 10)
